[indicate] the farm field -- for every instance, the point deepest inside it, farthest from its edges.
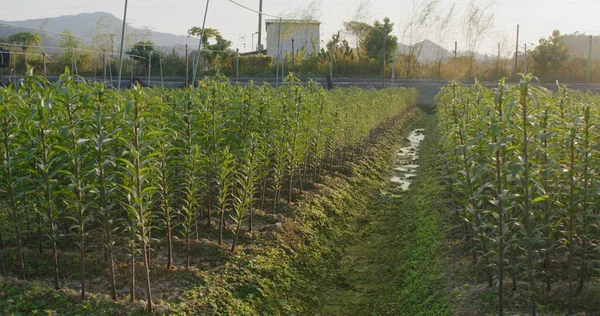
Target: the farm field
(521, 166)
(228, 199)
(218, 199)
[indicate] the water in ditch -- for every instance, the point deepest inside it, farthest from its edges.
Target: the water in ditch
(407, 162)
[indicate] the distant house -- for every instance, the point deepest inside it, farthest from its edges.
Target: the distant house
(304, 32)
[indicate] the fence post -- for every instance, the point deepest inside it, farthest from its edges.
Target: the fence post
(293, 56)
(149, 66)
(525, 61)
(103, 66)
(44, 60)
(187, 66)
(588, 76)
(455, 57)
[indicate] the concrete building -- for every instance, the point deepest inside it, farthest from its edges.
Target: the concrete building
(304, 32)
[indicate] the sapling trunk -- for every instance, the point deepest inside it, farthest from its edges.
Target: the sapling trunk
(8, 131)
(76, 179)
(100, 140)
(496, 134)
(586, 181)
(571, 228)
(545, 185)
(524, 91)
(46, 182)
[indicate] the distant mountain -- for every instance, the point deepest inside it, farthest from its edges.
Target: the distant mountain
(91, 25)
(432, 50)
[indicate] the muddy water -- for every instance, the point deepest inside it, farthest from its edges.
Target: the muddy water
(407, 161)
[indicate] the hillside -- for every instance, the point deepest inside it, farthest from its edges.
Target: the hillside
(432, 50)
(579, 45)
(94, 27)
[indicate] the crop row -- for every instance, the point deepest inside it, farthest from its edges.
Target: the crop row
(523, 163)
(80, 160)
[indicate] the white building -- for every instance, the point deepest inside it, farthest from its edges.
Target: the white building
(304, 32)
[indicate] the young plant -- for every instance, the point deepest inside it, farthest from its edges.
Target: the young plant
(138, 179)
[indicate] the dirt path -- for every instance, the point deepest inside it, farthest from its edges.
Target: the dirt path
(365, 276)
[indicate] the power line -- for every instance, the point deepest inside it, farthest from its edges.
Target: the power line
(255, 11)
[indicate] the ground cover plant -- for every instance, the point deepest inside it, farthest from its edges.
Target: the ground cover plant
(522, 163)
(101, 189)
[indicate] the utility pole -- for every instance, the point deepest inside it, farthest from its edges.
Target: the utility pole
(588, 76)
(121, 51)
(260, 24)
(516, 52)
(200, 45)
(237, 64)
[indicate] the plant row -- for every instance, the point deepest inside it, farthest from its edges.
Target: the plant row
(94, 167)
(523, 163)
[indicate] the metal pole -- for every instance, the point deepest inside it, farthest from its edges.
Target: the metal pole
(525, 62)
(187, 66)
(44, 57)
(160, 59)
(237, 64)
(121, 50)
(516, 52)
(103, 66)
(455, 57)
(194, 71)
(110, 58)
(260, 24)
(149, 66)
(331, 61)
(278, 51)
(25, 53)
(384, 54)
(72, 61)
(589, 70)
(75, 62)
(498, 63)
(393, 68)
(131, 74)
(293, 55)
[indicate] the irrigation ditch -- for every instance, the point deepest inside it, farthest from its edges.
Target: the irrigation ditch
(393, 264)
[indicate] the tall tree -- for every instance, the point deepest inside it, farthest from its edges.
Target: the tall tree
(443, 28)
(418, 26)
(141, 52)
(358, 31)
(218, 47)
(25, 38)
(380, 43)
(550, 54)
(477, 22)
